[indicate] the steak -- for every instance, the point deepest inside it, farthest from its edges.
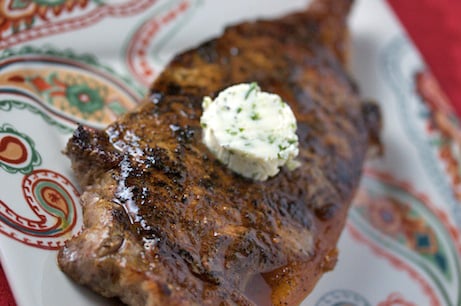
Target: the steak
(165, 223)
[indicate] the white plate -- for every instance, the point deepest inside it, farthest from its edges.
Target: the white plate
(91, 62)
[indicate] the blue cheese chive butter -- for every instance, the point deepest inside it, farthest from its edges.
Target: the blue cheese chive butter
(250, 131)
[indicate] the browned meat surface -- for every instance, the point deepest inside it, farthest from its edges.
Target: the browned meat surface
(166, 224)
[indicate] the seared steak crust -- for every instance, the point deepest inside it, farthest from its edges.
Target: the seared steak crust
(166, 224)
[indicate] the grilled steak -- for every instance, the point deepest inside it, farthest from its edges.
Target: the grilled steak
(165, 223)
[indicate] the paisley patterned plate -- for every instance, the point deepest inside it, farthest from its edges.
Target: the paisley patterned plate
(69, 61)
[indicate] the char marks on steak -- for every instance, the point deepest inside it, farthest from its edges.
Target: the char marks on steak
(165, 223)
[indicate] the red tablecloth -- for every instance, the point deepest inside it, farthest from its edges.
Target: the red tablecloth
(435, 29)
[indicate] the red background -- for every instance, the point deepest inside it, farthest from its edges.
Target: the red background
(434, 27)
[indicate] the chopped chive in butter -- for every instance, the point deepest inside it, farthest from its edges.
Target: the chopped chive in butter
(250, 131)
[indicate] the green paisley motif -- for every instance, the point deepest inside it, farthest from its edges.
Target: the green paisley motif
(35, 158)
(404, 223)
(19, 4)
(86, 99)
(68, 85)
(49, 2)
